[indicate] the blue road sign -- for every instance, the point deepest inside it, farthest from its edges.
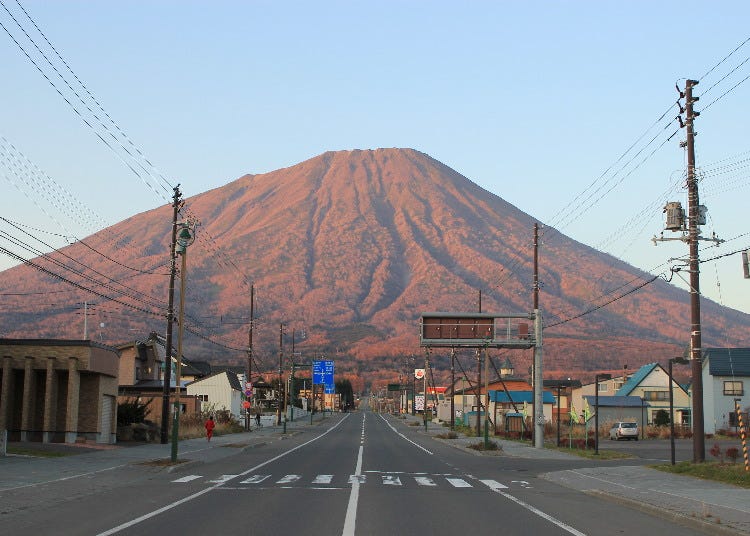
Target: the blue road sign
(323, 375)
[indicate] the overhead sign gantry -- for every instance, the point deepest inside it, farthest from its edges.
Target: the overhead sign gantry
(476, 330)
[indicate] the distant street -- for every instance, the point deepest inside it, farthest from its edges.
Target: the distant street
(359, 473)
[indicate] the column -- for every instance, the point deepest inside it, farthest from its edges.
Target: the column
(50, 396)
(5, 393)
(26, 409)
(71, 413)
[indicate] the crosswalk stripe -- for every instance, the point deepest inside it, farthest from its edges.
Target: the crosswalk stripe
(223, 478)
(493, 484)
(391, 480)
(255, 479)
(187, 478)
(288, 479)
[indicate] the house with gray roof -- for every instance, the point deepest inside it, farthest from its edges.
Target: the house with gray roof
(617, 408)
(726, 375)
(220, 391)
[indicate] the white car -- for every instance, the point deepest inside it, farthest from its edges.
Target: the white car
(624, 430)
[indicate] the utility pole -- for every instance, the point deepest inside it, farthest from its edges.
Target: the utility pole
(170, 319)
(184, 239)
(479, 393)
(249, 377)
(538, 382)
(281, 385)
(699, 444)
(453, 389)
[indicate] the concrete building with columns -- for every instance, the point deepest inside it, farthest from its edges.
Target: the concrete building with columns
(54, 390)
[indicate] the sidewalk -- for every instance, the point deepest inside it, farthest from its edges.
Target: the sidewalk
(712, 506)
(18, 471)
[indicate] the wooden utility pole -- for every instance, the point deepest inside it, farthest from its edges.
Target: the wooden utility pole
(249, 377)
(699, 444)
(281, 382)
(170, 320)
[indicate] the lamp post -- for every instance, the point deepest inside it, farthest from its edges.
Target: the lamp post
(185, 237)
(679, 361)
(597, 378)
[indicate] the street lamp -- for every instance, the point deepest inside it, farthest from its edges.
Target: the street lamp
(679, 361)
(597, 378)
(561, 384)
(185, 237)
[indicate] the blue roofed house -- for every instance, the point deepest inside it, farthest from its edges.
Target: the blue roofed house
(725, 374)
(651, 383)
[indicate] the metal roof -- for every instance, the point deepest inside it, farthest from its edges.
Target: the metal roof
(635, 380)
(520, 396)
(617, 401)
(728, 361)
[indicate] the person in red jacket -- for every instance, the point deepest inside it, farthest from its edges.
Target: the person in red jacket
(210, 425)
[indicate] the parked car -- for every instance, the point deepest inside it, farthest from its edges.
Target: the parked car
(624, 430)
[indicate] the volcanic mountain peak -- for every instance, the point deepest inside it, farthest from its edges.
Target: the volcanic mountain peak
(351, 246)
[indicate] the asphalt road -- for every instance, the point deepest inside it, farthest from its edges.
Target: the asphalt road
(360, 473)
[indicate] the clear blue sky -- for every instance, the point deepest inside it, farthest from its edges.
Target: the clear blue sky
(531, 100)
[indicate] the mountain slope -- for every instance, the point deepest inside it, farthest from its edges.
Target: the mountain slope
(350, 247)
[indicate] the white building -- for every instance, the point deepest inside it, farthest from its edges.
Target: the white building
(220, 391)
(726, 374)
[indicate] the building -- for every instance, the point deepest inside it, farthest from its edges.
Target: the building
(651, 383)
(54, 390)
(141, 376)
(726, 373)
(617, 408)
(220, 391)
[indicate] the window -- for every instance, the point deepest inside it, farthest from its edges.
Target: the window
(202, 398)
(654, 396)
(603, 387)
(732, 388)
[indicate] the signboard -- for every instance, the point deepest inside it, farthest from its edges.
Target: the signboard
(245, 404)
(394, 387)
(419, 402)
(419, 373)
(248, 393)
(476, 330)
(323, 375)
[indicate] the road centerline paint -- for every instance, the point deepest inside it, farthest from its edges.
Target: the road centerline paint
(350, 521)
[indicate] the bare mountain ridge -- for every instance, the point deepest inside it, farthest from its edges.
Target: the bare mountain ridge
(350, 247)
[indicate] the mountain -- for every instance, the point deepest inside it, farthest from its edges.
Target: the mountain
(347, 249)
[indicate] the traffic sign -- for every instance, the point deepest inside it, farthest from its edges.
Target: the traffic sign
(246, 404)
(248, 393)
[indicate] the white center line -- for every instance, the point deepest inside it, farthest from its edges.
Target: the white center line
(351, 510)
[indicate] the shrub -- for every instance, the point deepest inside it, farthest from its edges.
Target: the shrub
(131, 411)
(716, 452)
(733, 453)
(661, 418)
(479, 445)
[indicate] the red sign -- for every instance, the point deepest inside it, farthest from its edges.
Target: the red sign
(246, 404)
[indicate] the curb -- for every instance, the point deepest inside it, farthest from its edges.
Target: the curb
(669, 515)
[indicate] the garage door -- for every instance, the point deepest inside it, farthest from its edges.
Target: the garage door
(108, 404)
